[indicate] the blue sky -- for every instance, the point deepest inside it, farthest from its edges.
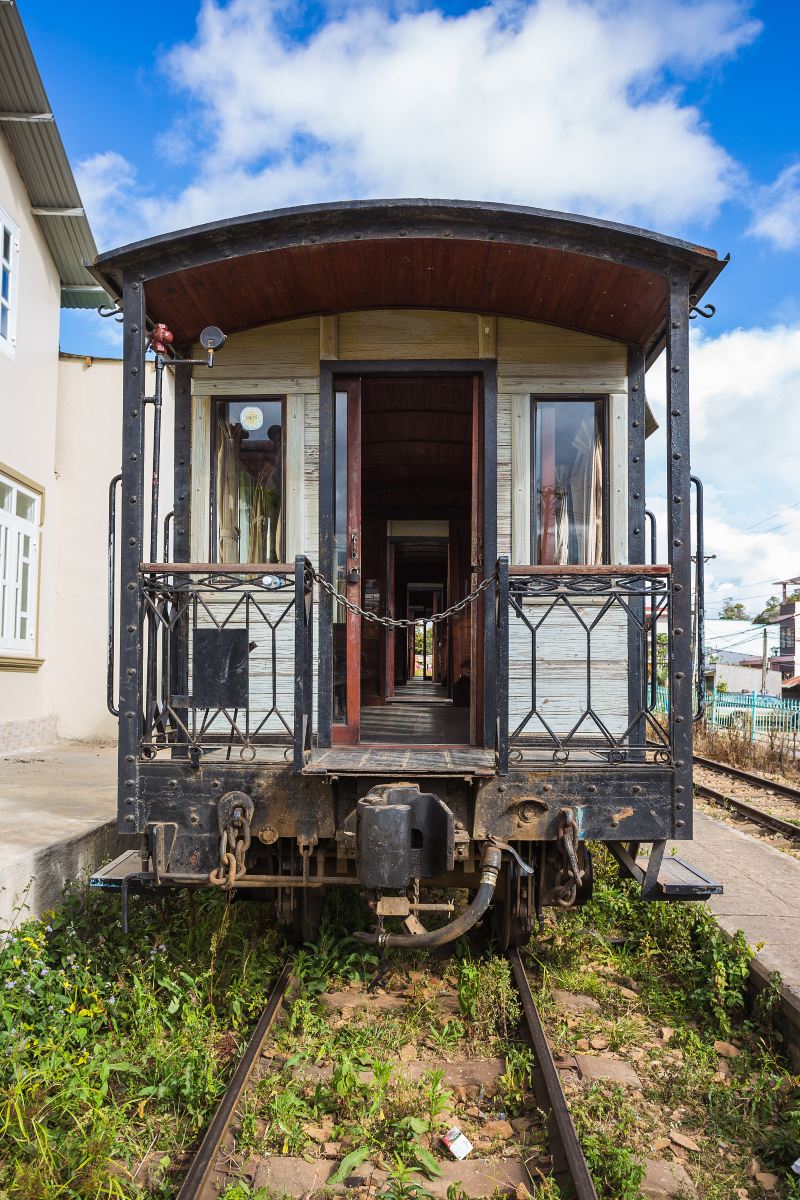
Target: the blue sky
(680, 117)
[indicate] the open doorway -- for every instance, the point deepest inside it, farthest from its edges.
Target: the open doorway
(406, 551)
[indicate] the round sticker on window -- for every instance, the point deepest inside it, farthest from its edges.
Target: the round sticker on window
(251, 418)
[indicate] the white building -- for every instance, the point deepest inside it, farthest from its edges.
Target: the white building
(59, 430)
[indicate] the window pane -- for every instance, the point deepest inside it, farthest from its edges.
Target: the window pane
(5, 497)
(7, 244)
(26, 507)
(24, 584)
(5, 283)
(568, 482)
(250, 481)
(3, 321)
(23, 627)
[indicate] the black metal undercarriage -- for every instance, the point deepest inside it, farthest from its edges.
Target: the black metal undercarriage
(295, 837)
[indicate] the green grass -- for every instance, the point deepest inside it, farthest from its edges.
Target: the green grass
(113, 1050)
(687, 976)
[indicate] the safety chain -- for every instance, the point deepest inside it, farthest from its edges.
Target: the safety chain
(570, 876)
(401, 623)
(234, 842)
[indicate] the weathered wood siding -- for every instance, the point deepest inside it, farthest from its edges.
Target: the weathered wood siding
(283, 359)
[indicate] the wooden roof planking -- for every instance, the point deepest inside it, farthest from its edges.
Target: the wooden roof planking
(594, 276)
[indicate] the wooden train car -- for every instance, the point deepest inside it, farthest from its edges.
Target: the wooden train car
(409, 631)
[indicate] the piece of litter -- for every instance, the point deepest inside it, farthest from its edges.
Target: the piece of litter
(457, 1143)
(796, 1167)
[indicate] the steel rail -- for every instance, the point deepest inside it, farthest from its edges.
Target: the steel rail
(577, 1166)
(761, 781)
(744, 809)
(197, 1177)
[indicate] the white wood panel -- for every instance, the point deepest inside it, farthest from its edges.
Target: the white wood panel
(504, 473)
(260, 386)
(556, 360)
(408, 333)
(520, 480)
(561, 679)
(282, 350)
(201, 475)
(272, 645)
(618, 476)
(294, 498)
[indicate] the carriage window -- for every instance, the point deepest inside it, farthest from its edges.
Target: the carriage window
(248, 481)
(568, 497)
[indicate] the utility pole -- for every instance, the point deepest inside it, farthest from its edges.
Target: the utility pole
(764, 664)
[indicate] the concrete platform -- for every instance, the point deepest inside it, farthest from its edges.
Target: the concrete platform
(57, 821)
(762, 898)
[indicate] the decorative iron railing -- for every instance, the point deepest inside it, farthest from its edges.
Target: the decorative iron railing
(227, 661)
(579, 652)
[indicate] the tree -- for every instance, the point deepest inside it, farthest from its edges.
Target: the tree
(772, 608)
(733, 611)
(769, 611)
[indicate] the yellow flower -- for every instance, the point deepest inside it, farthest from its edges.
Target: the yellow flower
(71, 1007)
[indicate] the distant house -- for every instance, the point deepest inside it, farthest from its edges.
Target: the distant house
(59, 429)
(734, 653)
(788, 623)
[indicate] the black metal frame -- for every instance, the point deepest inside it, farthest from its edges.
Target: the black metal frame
(601, 402)
(486, 369)
(679, 537)
(131, 535)
(644, 598)
(176, 605)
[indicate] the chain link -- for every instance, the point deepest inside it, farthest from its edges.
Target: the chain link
(401, 623)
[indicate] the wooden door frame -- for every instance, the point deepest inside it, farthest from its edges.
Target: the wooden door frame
(486, 371)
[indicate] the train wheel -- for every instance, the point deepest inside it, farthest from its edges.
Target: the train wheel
(509, 928)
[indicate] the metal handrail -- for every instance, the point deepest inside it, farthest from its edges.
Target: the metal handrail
(700, 602)
(112, 587)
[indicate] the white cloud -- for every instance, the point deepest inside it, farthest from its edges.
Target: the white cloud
(745, 386)
(553, 103)
(777, 211)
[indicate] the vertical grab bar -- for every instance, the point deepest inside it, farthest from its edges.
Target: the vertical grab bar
(653, 627)
(112, 588)
(700, 602)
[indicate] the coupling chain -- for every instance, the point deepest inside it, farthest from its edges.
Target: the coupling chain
(234, 843)
(570, 876)
(401, 622)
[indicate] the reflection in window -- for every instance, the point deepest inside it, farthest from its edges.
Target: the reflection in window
(568, 470)
(249, 481)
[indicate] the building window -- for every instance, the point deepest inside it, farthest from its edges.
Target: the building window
(9, 259)
(20, 509)
(247, 481)
(569, 517)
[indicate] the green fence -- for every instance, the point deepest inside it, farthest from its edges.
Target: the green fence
(760, 716)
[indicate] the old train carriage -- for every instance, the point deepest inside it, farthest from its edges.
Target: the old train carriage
(408, 629)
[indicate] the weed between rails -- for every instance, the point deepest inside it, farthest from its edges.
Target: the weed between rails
(670, 990)
(113, 1052)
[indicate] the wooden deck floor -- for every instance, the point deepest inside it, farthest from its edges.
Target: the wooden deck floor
(401, 761)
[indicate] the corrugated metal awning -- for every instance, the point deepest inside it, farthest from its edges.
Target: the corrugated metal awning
(29, 127)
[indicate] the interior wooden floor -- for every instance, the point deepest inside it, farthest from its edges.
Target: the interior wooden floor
(419, 714)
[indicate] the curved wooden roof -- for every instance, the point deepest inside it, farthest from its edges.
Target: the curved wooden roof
(578, 272)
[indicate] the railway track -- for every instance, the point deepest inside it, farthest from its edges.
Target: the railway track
(216, 1163)
(746, 793)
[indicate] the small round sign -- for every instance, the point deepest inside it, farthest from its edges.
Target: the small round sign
(251, 418)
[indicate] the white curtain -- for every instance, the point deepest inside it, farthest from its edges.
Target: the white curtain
(586, 489)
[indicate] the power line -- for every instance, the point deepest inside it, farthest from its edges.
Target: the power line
(783, 508)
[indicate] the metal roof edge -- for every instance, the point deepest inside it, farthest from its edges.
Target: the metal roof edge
(34, 141)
